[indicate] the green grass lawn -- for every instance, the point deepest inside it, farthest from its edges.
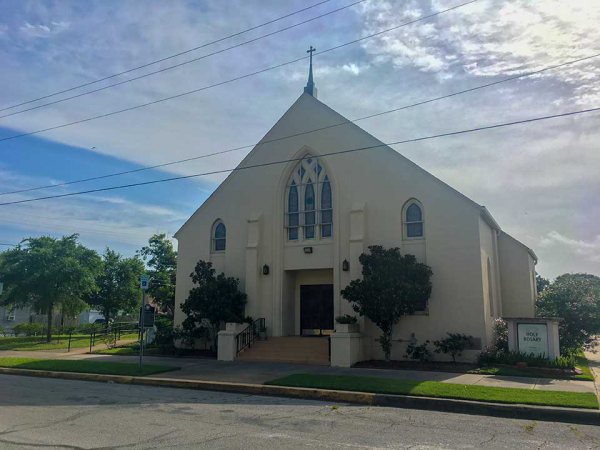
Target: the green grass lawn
(58, 342)
(438, 389)
(512, 371)
(583, 364)
(84, 366)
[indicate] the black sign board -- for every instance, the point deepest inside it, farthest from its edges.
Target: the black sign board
(149, 311)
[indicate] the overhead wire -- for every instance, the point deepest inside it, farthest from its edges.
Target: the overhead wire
(347, 122)
(247, 75)
(108, 77)
(184, 63)
(339, 152)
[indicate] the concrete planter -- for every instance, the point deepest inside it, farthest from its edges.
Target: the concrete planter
(347, 327)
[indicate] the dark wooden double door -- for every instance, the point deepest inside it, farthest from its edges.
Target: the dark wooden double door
(316, 309)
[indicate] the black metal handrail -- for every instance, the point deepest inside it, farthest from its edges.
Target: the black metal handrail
(248, 335)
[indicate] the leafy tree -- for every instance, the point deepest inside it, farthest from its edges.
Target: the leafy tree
(118, 284)
(575, 298)
(161, 259)
(541, 283)
(214, 298)
(48, 273)
(392, 286)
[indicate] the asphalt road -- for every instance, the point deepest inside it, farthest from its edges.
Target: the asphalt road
(46, 413)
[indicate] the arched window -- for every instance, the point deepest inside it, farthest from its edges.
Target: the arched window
(309, 211)
(309, 202)
(326, 209)
(293, 214)
(219, 237)
(413, 220)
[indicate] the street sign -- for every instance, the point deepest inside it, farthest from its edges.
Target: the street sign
(147, 321)
(144, 282)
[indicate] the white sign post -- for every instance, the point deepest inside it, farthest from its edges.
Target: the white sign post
(533, 338)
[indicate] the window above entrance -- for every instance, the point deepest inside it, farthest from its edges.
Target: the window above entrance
(308, 202)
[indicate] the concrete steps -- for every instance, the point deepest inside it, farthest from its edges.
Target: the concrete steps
(289, 349)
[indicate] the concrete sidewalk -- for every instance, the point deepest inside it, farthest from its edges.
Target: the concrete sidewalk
(257, 373)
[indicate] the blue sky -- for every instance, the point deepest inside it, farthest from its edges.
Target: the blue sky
(539, 181)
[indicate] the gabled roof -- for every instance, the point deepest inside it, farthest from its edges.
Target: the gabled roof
(308, 101)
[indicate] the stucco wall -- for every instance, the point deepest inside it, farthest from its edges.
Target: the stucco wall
(369, 188)
(518, 278)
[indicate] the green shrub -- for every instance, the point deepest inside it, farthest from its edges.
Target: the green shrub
(492, 356)
(454, 344)
(165, 334)
(346, 319)
(29, 329)
(418, 352)
(89, 328)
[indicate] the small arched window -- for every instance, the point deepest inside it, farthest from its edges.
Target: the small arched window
(413, 220)
(219, 237)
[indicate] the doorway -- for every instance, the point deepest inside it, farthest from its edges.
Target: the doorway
(316, 309)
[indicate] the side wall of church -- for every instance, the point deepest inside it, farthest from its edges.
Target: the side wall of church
(518, 278)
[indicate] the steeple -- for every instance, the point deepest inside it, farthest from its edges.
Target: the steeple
(310, 88)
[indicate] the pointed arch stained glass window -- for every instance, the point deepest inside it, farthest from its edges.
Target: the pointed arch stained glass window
(309, 210)
(293, 214)
(326, 209)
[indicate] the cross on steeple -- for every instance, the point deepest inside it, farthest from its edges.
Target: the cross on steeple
(310, 85)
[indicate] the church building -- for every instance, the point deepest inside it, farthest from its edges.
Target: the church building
(292, 220)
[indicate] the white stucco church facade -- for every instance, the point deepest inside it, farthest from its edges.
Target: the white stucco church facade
(293, 219)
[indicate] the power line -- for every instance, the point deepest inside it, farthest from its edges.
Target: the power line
(452, 94)
(7, 245)
(266, 69)
(339, 152)
(165, 69)
(167, 57)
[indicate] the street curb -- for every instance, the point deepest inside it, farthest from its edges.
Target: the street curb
(513, 411)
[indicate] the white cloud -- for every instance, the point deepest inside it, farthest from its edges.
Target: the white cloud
(43, 31)
(490, 39)
(97, 218)
(586, 249)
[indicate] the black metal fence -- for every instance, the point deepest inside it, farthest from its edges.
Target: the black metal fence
(110, 333)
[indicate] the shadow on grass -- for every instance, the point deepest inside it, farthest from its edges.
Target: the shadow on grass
(85, 366)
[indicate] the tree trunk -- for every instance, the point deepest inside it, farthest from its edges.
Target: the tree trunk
(49, 324)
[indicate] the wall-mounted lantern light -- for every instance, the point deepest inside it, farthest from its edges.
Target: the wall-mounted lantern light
(345, 265)
(265, 270)
(307, 250)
